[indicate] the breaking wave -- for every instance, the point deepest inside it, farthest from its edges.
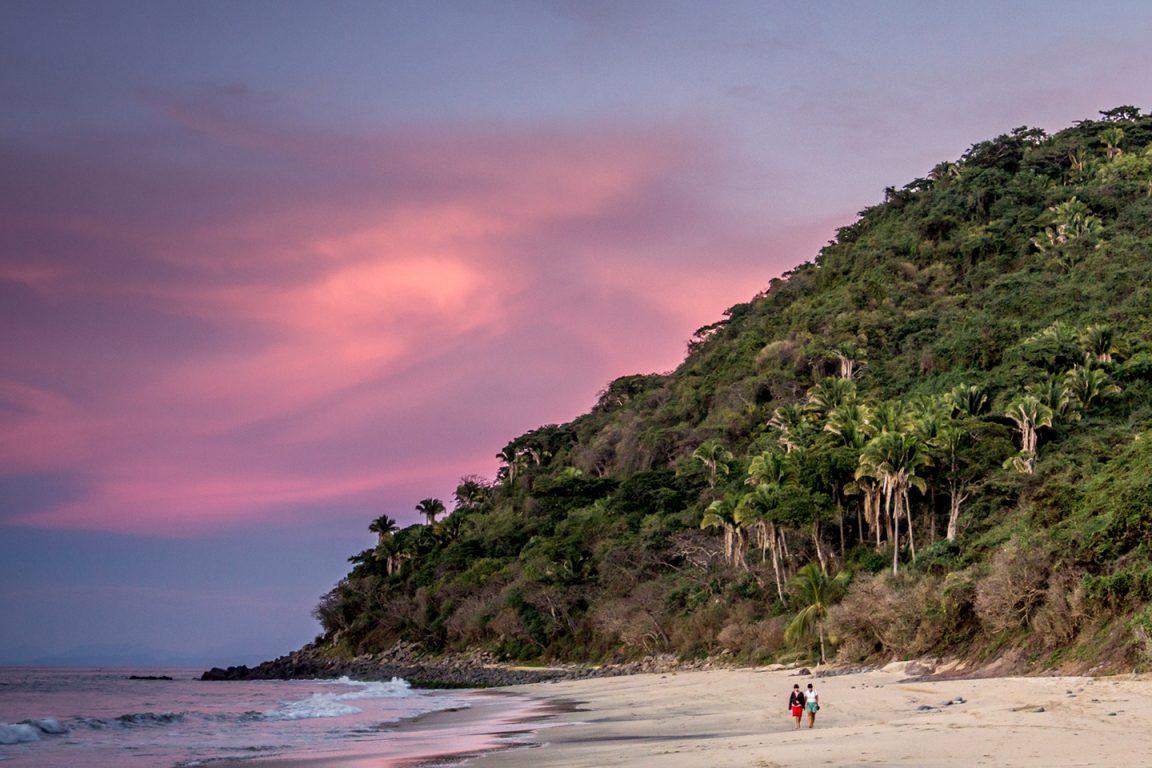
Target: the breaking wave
(336, 704)
(29, 730)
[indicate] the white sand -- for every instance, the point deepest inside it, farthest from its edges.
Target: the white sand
(739, 718)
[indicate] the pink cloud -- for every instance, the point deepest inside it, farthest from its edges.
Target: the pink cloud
(361, 333)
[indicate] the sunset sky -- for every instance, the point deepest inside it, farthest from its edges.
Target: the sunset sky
(269, 270)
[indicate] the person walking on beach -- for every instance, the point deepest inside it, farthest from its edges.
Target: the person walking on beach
(796, 704)
(812, 704)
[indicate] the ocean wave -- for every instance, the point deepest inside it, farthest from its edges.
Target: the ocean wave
(29, 730)
(133, 720)
(335, 704)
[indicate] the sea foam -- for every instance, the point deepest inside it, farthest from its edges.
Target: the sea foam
(335, 704)
(18, 733)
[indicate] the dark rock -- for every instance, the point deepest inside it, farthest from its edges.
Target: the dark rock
(463, 670)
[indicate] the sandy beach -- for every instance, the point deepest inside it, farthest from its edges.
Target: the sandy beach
(881, 718)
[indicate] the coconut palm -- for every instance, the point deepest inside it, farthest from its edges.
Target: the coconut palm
(755, 511)
(790, 423)
(851, 423)
(512, 462)
(950, 445)
(716, 459)
(722, 514)
(471, 492)
(1029, 415)
(944, 171)
(851, 358)
(816, 592)
(968, 400)
(390, 550)
(1098, 343)
(431, 509)
(383, 527)
(1112, 136)
(829, 394)
(889, 416)
(1085, 386)
(769, 468)
(893, 458)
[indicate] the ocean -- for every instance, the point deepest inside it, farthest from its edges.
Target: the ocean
(101, 718)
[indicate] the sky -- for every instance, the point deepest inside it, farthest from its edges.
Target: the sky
(269, 270)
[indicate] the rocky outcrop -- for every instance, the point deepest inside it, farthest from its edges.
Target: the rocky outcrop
(472, 670)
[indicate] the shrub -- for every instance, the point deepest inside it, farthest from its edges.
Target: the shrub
(1014, 588)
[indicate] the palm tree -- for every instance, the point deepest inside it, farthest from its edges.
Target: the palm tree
(851, 422)
(1098, 343)
(1112, 136)
(889, 416)
(1085, 386)
(1072, 219)
(830, 394)
(768, 472)
(893, 458)
(722, 514)
(512, 461)
(471, 492)
(431, 509)
(816, 591)
(383, 527)
(754, 511)
(716, 459)
(1029, 415)
(944, 171)
(768, 468)
(968, 400)
(390, 551)
(449, 529)
(789, 421)
(950, 444)
(851, 358)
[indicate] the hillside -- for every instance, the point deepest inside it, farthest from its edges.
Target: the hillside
(935, 437)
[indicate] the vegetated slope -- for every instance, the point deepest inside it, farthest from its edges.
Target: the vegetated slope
(952, 403)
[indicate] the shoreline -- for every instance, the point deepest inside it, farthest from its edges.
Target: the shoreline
(495, 720)
(878, 718)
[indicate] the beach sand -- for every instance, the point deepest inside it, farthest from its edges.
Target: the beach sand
(721, 718)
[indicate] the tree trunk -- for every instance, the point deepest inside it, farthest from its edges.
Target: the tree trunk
(819, 549)
(895, 543)
(956, 497)
(775, 546)
(908, 516)
(840, 519)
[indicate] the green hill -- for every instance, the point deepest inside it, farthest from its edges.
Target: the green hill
(950, 407)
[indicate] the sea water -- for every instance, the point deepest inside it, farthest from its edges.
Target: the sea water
(101, 718)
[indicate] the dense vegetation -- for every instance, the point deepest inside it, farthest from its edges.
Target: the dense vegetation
(936, 437)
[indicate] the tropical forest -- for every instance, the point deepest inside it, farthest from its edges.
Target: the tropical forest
(934, 438)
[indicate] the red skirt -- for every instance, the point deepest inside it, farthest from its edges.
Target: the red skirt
(797, 710)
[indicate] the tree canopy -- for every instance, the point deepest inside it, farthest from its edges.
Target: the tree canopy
(964, 370)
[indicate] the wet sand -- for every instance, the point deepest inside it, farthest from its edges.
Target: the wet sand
(495, 720)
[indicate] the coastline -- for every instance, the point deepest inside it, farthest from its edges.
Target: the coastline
(878, 718)
(494, 720)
